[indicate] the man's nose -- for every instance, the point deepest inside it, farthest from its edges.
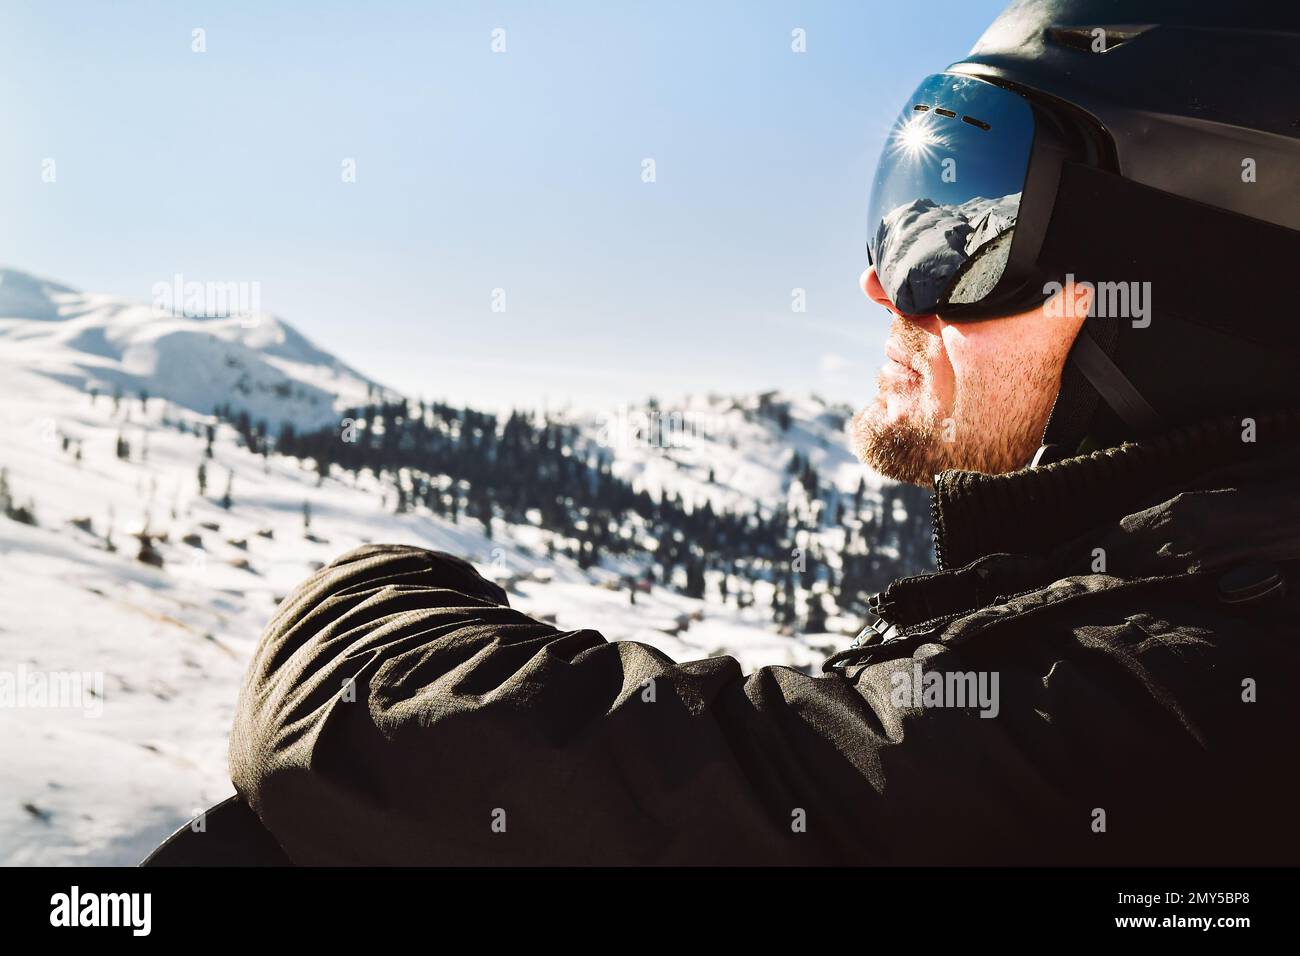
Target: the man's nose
(876, 293)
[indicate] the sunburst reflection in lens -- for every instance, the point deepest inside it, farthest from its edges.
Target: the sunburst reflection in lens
(916, 138)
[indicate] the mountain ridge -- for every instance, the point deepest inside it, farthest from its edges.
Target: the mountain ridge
(114, 345)
(266, 367)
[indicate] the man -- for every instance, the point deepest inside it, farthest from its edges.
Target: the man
(1084, 232)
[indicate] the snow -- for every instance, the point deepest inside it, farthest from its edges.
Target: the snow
(256, 362)
(745, 450)
(103, 783)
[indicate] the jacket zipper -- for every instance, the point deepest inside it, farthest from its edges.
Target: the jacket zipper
(935, 524)
(880, 628)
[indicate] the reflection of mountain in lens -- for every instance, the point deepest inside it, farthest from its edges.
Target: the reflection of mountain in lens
(921, 245)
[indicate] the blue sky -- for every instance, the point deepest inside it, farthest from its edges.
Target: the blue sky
(477, 171)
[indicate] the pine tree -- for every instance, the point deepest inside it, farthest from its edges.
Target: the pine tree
(148, 554)
(815, 620)
(808, 478)
(808, 576)
(786, 611)
(695, 578)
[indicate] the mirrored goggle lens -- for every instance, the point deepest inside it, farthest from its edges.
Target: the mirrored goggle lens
(946, 196)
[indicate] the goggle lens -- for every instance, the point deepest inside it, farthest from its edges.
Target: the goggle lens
(947, 191)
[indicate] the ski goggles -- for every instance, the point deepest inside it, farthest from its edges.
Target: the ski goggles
(961, 199)
(985, 199)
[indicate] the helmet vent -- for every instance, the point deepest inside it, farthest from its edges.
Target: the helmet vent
(1095, 39)
(977, 123)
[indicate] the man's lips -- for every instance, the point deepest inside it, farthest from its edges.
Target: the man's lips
(899, 360)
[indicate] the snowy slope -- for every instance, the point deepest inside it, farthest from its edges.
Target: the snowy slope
(257, 363)
(168, 641)
(745, 443)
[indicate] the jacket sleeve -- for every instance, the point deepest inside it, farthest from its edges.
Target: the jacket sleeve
(398, 711)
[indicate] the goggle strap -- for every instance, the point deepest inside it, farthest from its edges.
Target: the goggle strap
(1113, 385)
(1200, 260)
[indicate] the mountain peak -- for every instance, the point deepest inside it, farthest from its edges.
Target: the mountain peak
(25, 296)
(256, 363)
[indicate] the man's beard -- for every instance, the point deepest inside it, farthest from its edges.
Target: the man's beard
(989, 429)
(905, 449)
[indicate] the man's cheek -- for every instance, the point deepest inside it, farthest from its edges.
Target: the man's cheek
(947, 370)
(961, 344)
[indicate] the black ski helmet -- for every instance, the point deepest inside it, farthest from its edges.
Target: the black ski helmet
(1196, 103)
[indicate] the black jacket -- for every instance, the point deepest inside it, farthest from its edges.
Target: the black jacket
(1137, 608)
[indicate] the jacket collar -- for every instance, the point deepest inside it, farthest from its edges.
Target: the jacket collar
(1034, 511)
(1003, 535)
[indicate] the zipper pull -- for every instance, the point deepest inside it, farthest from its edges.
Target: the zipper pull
(877, 631)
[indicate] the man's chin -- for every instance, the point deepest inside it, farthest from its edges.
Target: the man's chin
(896, 445)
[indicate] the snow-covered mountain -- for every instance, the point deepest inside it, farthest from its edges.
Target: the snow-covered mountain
(731, 451)
(144, 544)
(921, 244)
(255, 362)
